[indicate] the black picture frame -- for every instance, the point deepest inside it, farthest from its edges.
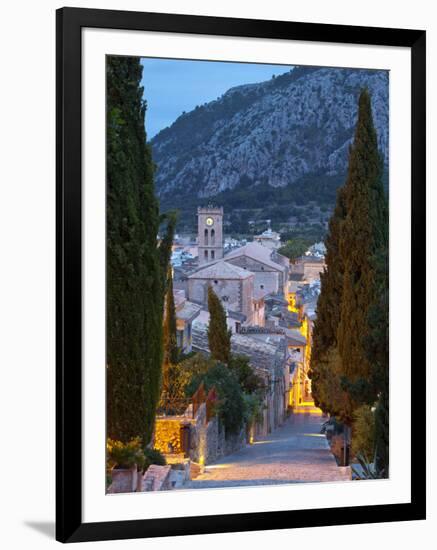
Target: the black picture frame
(70, 22)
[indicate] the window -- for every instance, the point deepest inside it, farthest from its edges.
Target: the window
(213, 237)
(216, 282)
(212, 251)
(261, 286)
(206, 236)
(206, 254)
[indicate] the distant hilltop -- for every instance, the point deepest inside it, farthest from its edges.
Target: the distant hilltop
(291, 131)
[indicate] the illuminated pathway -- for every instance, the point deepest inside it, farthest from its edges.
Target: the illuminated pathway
(293, 453)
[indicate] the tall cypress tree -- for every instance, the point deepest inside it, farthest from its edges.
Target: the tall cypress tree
(343, 368)
(362, 237)
(377, 345)
(171, 353)
(325, 366)
(219, 336)
(136, 265)
(328, 314)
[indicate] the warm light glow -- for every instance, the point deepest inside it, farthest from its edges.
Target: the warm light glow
(221, 466)
(304, 328)
(305, 409)
(252, 435)
(292, 308)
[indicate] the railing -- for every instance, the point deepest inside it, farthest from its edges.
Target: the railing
(176, 406)
(211, 402)
(198, 398)
(173, 406)
(261, 330)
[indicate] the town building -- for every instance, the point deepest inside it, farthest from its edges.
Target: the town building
(308, 267)
(269, 239)
(232, 284)
(317, 249)
(269, 268)
(186, 312)
(210, 233)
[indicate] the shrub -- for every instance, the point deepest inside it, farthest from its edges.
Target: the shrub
(363, 432)
(249, 381)
(153, 456)
(181, 374)
(253, 408)
(124, 455)
(294, 248)
(230, 407)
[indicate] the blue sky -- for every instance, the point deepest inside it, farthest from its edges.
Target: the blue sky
(173, 86)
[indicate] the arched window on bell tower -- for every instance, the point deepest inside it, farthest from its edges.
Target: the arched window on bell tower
(212, 237)
(206, 237)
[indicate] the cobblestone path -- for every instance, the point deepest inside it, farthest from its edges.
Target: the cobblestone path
(294, 453)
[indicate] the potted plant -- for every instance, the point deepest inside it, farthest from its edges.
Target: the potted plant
(123, 462)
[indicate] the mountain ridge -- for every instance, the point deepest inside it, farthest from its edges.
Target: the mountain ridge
(290, 133)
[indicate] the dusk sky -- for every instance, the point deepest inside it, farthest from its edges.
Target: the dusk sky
(173, 86)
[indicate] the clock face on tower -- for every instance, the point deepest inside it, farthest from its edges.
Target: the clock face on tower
(209, 221)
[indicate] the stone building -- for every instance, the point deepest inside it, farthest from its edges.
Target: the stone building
(269, 239)
(270, 268)
(308, 267)
(210, 233)
(232, 284)
(186, 312)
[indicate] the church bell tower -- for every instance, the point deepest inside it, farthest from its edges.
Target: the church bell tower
(210, 233)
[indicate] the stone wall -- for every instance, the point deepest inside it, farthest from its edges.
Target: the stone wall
(233, 442)
(312, 271)
(168, 435)
(124, 480)
(156, 478)
(204, 437)
(208, 441)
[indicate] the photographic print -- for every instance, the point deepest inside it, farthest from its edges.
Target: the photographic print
(247, 295)
(240, 229)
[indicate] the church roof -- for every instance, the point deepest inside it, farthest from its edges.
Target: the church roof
(221, 270)
(257, 252)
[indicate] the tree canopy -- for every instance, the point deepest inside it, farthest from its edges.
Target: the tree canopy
(294, 248)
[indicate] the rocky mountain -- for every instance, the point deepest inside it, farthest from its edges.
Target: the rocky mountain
(291, 133)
